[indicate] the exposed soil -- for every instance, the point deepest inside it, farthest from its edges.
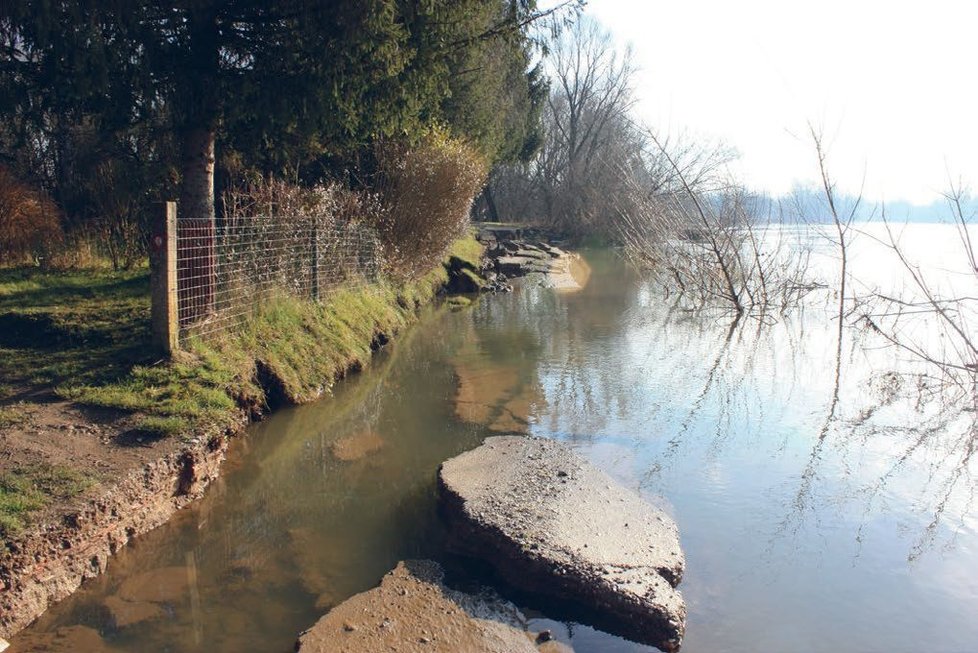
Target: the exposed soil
(136, 483)
(53, 432)
(413, 610)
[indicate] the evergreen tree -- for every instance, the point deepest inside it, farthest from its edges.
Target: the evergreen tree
(290, 83)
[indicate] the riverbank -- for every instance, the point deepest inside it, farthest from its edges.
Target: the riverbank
(102, 443)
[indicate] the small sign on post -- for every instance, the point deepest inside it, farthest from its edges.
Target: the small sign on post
(163, 279)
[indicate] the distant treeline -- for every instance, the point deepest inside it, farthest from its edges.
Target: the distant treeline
(807, 204)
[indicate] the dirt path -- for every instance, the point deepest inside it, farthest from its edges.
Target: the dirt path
(47, 431)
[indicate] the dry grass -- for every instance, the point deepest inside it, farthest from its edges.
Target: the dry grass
(425, 193)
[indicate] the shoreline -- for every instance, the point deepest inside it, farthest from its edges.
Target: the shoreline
(65, 545)
(70, 543)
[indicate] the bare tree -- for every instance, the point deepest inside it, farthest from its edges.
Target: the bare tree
(841, 223)
(588, 136)
(704, 236)
(947, 342)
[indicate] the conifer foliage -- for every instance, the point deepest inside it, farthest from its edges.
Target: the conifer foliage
(180, 94)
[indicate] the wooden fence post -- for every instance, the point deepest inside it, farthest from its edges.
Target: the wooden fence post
(163, 279)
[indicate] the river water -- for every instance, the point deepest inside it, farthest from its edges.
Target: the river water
(809, 524)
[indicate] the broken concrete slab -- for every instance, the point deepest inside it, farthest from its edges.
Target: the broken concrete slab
(413, 611)
(520, 265)
(552, 524)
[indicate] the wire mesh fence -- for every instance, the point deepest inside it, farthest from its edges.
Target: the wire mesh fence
(225, 271)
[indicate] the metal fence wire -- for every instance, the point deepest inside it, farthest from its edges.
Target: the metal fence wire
(225, 272)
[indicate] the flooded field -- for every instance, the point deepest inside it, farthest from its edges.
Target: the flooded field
(809, 524)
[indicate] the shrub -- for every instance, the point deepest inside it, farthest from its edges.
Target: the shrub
(277, 236)
(30, 224)
(425, 192)
(118, 228)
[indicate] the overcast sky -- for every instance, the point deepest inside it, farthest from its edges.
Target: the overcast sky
(893, 85)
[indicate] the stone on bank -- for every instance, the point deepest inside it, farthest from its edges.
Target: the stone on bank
(552, 524)
(413, 611)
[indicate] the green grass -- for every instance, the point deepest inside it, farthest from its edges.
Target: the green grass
(79, 327)
(468, 249)
(28, 489)
(292, 346)
(13, 415)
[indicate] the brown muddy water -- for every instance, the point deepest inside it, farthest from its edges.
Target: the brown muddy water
(805, 528)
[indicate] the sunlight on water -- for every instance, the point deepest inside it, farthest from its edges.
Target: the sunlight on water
(808, 525)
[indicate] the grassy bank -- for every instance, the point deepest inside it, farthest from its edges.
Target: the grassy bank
(85, 336)
(288, 351)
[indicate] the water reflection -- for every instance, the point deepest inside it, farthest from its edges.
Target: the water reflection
(804, 472)
(803, 476)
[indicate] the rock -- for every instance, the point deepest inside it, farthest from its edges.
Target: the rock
(413, 611)
(554, 525)
(514, 266)
(511, 266)
(554, 252)
(533, 252)
(123, 613)
(356, 446)
(163, 585)
(501, 232)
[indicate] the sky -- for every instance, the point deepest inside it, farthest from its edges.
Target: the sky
(892, 86)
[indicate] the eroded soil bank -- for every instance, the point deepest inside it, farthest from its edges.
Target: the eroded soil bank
(127, 482)
(135, 482)
(53, 558)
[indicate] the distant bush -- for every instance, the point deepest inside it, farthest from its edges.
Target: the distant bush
(425, 193)
(30, 223)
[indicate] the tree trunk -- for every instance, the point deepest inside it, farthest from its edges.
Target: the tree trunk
(198, 103)
(196, 273)
(490, 203)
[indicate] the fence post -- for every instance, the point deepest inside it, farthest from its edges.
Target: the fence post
(163, 279)
(315, 259)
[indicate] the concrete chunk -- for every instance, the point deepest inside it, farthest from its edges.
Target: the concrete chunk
(412, 611)
(552, 524)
